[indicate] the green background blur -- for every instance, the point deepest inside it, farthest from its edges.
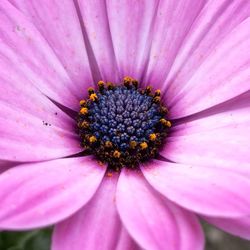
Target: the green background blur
(40, 240)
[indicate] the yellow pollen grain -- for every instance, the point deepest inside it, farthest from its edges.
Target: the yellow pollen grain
(101, 84)
(169, 124)
(110, 85)
(157, 99)
(85, 124)
(84, 111)
(93, 97)
(148, 89)
(82, 102)
(108, 144)
(165, 122)
(157, 92)
(116, 154)
(91, 90)
(92, 139)
(143, 145)
(133, 144)
(152, 137)
(127, 79)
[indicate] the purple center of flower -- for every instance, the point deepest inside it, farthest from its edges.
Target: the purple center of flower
(122, 125)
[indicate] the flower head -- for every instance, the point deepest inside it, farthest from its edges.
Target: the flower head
(135, 166)
(123, 125)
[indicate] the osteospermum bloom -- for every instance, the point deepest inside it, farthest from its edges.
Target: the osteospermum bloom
(195, 52)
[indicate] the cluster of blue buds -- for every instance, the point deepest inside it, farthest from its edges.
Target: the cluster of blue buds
(122, 125)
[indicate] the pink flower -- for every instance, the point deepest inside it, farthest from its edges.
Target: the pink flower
(196, 52)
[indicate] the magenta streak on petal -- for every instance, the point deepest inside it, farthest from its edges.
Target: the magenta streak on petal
(5, 165)
(205, 190)
(153, 221)
(44, 193)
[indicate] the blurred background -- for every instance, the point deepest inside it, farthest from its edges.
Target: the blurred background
(40, 240)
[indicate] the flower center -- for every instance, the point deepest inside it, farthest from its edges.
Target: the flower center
(122, 125)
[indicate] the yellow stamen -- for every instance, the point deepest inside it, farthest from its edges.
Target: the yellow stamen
(157, 92)
(93, 97)
(169, 124)
(116, 154)
(148, 89)
(152, 137)
(165, 122)
(84, 111)
(83, 103)
(157, 99)
(85, 124)
(91, 90)
(127, 80)
(92, 139)
(101, 84)
(143, 145)
(133, 144)
(108, 144)
(110, 85)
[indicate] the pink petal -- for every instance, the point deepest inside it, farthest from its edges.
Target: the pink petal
(29, 118)
(131, 26)
(220, 140)
(153, 221)
(205, 190)
(95, 19)
(36, 195)
(173, 20)
(27, 54)
(25, 137)
(59, 24)
(213, 64)
(96, 225)
(238, 226)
